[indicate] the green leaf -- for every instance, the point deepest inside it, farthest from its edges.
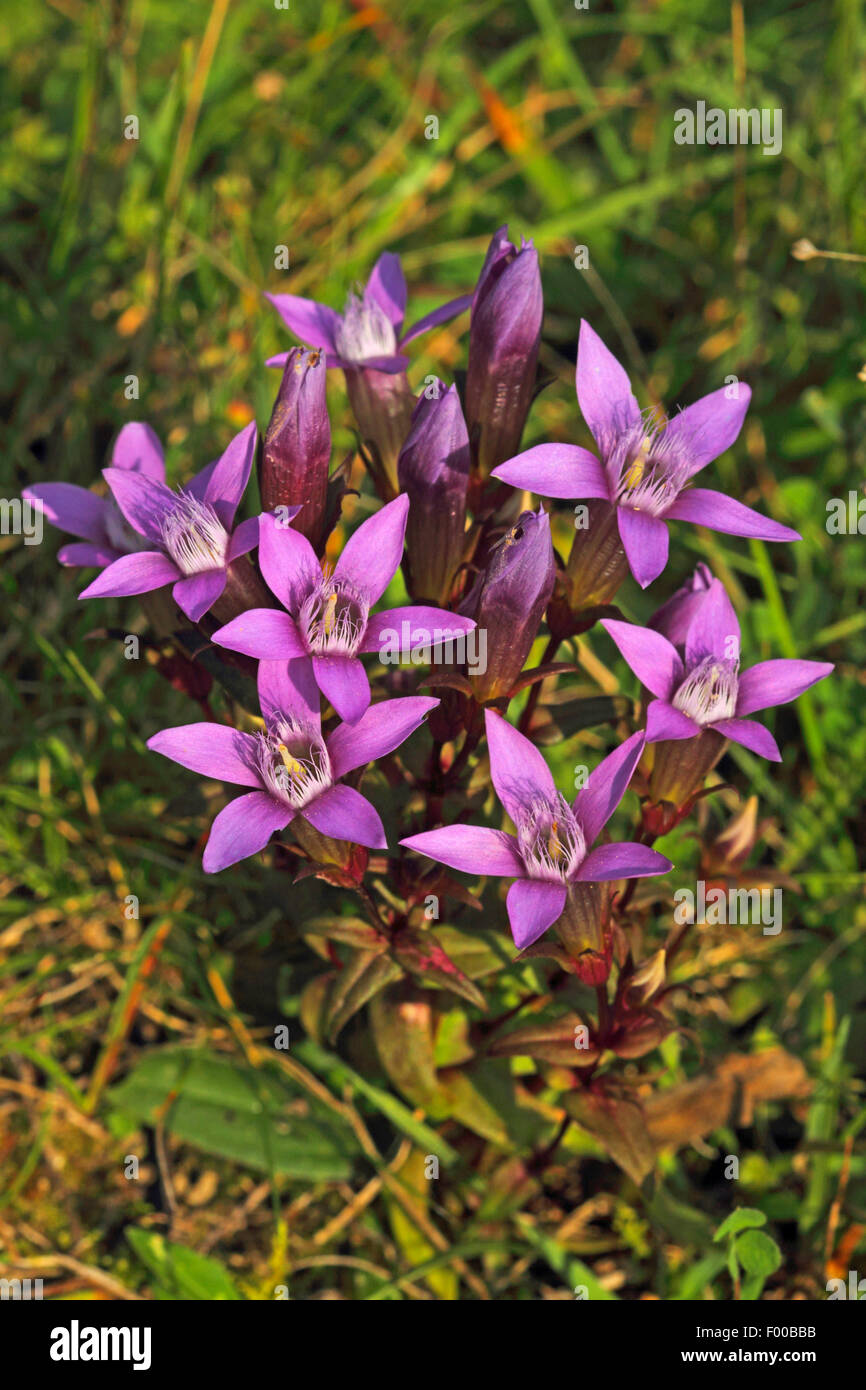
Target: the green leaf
(758, 1253)
(354, 931)
(424, 957)
(181, 1273)
(740, 1220)
(619, 1124)
(227, 1108)
(361, 978)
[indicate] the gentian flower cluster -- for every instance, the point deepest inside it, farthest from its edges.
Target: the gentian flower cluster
(441, 549)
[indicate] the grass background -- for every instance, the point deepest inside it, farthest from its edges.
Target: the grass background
(305, 127)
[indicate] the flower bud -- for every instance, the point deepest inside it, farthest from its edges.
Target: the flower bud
(504, 333)
(673, 618)
(297, 447)
(433, 469)
(382, 403)
(511, 598)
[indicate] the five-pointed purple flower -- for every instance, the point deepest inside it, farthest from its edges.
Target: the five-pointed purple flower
(105, 534)
(552, 848)
(369, 332)
(292, 768)
(645, 469)
(704, 688)
(327, 623)
(191, 532)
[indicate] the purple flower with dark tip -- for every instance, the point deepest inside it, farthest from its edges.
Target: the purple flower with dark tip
(551, 853)
(504, 334)
(646, 465)
(105, 534)
(433, 471)
(292, 769)
(369, 332)
(327, 623)
(705, 688)
(191, 533)
(297, 444)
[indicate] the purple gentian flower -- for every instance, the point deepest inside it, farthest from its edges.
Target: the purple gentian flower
(105, 535)
(190, 531)
(645, 470)
(552, 850)
(369, 332)
(705, 688)
(292, 769)
(327, 623)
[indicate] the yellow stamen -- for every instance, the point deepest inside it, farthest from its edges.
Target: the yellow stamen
(293, 767)
(330, 615)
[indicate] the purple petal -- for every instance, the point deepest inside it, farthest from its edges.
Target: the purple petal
(344, 814)
(245, 537)
(265, 633)
(133, 574)
(710, 426)
(714, 629)
(288, 562)
(718, 512)
(474, 849)
(387, 286)
(556, 470)
(382, 729)
(532, 908)
(230, 475)
(196, 593)
(663, 722)
(776, 682)
(606, 786)
(315, 324)
(83, 553)
(343, 681)
(751, 735)
(625, 860)
(289, 687)
(373, 552)
(137, 448)
(70, 508)
(198, 484)
(654, 660)
(214, 750)
(645, 542)
(440, 315)
(243, 828)
(604, 391)
(424, 625)
(144, 502)
(517, 769)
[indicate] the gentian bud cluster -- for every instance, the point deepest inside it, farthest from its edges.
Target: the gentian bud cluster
(428, 602)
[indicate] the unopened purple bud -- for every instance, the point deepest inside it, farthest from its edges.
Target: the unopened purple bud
(673, 618)
(512, 597)
(297, 447)
(433, 468)
(504, 334)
